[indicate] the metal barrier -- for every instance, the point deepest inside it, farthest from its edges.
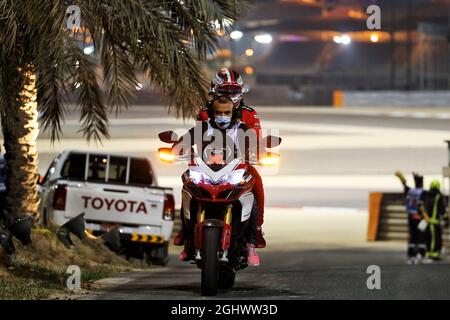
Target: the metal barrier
(388, 218)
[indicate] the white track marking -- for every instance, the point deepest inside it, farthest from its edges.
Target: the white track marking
(309, 225)
(324, 136)
(374, 182)
(428, 113)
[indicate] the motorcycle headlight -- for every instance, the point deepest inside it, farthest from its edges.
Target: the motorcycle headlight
(234, 178)
(196, 176)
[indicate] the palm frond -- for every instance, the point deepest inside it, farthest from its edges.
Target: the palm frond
(84, 82)
(167, 40)
(8, 26)
(119, 75)
(52, 68)
(51, 95)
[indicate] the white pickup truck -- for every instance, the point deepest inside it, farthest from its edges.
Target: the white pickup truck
(113, 191)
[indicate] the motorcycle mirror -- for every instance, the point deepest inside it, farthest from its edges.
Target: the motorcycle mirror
(168, 137)
(271, 141)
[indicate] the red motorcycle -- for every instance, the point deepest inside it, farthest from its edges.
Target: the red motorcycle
(217, 202)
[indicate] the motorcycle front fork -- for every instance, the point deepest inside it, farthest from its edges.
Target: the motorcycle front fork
(200, 219)
(227, 228)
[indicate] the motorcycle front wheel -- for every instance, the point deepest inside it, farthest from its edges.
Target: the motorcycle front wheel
(210, 267)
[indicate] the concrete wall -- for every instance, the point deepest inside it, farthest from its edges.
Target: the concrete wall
(396, 98)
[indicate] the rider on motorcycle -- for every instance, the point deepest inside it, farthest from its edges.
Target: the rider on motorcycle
(223, 117)
(229, 83)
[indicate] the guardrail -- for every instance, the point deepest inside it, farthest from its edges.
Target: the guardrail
(388, 218)
(407, 99)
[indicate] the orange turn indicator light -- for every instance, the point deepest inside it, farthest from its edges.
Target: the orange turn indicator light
(166, 155)
(270, 160)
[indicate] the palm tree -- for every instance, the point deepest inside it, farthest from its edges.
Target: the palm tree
(41, 61)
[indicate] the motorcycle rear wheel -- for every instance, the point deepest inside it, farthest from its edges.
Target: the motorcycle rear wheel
(210, 267)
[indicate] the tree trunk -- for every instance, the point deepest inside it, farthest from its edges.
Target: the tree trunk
(20, 131)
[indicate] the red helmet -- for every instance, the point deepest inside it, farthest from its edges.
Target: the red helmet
(228, 82)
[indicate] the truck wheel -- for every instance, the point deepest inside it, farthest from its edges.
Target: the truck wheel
(158, 255)
(210, 270)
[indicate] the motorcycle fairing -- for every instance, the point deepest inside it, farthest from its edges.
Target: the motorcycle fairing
(186, 198)
(215, 176)
(246, 201)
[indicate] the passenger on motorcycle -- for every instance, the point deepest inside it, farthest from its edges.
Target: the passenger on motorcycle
(223, 120)
(229, 83)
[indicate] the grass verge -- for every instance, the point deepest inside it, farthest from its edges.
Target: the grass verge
(39, 271)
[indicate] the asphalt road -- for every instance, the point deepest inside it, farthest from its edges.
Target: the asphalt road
(311, 254)
(298, 274)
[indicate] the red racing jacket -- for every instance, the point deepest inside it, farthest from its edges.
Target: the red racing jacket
(248, 115)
